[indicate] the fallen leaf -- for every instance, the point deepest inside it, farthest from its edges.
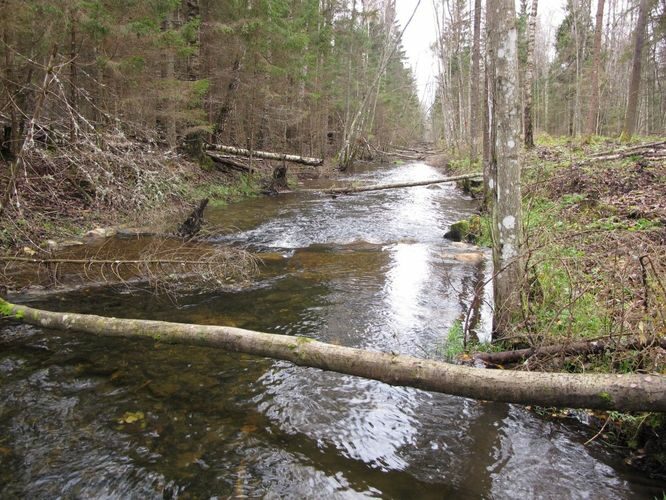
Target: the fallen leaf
(130, 417)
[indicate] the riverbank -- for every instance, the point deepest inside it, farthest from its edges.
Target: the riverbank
(62, 194)
(595, 247)
(595, 244)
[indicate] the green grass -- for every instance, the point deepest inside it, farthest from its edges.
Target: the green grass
(221, 194)
(454, 344)
(464, 166)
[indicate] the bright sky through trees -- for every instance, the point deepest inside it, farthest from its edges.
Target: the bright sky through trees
(421, 33)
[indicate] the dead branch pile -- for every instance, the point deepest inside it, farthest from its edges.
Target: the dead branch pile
(165, 265)
(635, 191)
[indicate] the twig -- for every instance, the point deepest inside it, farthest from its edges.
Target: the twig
(598, 433)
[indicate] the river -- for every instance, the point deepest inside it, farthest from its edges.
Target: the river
(87, 417)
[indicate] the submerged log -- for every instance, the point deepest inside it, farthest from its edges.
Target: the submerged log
(267, 155)
(380, 187)
(600, 391)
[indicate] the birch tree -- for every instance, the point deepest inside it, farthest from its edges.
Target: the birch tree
(505, 178)
(474, 90)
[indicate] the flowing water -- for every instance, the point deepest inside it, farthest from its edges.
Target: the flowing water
(87, 417)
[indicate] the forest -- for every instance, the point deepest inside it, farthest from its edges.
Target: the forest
(245, 251)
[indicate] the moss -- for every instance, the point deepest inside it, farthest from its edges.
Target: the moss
(473, 230)
(7, 311)
(458, 231)
(300, 341)
(606, 397)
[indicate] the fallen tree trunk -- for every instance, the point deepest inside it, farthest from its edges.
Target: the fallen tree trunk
(380, 187)
(572, 349)
(648, 145)
(230, 163)
(406, 156)
(653, 150)
(267, 155)
(607, 392)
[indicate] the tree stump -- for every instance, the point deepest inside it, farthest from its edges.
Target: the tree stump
(193, 223)
(278, 181)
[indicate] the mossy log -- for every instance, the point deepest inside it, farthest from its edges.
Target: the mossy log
(600, 391)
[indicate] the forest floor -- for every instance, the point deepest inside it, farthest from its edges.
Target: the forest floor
(595, 250)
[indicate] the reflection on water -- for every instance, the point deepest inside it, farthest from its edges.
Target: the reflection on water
(410, 268)
(85, 417)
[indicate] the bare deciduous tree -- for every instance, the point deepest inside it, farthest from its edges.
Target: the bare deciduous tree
(506, 203)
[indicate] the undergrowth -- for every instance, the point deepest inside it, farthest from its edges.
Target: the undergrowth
(64, 191)
(220, 194)
(594, 253)
(595, 262)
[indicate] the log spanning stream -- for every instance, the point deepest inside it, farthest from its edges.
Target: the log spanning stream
(86, 417)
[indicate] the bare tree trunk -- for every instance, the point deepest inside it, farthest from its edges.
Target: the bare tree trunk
(229, 104)
(11, 88)
(73, 76)
(507, 220)
(593, 110)
(381, 187)
(474, 90)
(441, 70)
(634, 84)
(601, 391)
(169, 74)
(488, 120)
(570, 349)
(529, 76)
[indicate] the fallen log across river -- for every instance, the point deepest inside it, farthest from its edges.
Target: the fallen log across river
(625, 392)
(381, 187)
